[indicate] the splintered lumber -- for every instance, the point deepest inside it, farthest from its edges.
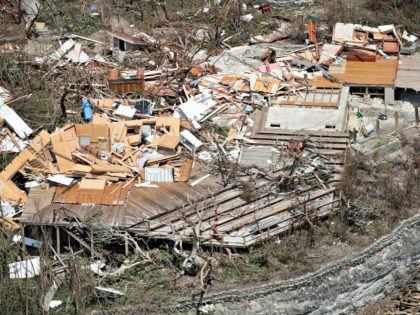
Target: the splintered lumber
(163, 159)
(9, 223)
(171, 123)
(65, 142)
(185, 171)
(167, 141)
(83, 243)
(92, 184)
(109, 168)
(76, 52)
(10, 192)
(31, 153)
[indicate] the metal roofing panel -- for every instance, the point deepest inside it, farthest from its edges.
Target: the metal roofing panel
(13, 119)
(158, 174)
(408, 76)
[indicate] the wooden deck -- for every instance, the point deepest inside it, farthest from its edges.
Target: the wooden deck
(141, 203)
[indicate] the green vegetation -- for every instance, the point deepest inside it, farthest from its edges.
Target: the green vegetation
(215, 128)
(72, 15)
(380, 143)
(403, 13)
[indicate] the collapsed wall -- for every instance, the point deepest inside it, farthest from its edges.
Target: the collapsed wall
(341, 288)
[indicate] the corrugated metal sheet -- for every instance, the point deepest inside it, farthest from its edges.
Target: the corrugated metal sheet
(158, 174)
(408, 76)
(12, 119)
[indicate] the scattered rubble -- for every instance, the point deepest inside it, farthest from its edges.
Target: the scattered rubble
(227, 151)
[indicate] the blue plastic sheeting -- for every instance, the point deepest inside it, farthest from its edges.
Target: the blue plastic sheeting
(87, 110)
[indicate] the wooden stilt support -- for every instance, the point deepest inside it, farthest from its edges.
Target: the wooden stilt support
(126, 247)
(416, 111)
(81, 242)
(58, 240)
(378, 125)
(23, 240)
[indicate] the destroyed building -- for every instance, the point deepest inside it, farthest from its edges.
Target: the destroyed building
(161, 171)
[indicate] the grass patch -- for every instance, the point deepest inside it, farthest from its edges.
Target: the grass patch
(214, 128)
(380, 143)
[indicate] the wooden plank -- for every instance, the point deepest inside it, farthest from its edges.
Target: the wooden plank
(92, 184)
(252, 218)
(250, 240)
(185, 170)
(76, 53)
(379, 73)
(109, 168)
(64, 142)
(167, 141)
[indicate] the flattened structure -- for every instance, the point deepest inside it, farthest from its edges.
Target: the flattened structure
(140, 204)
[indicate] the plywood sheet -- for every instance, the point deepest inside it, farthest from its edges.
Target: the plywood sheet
(105, 103)
(167, 141)
(170, 123)
(92, 184)
(99, 135)
(379, 73)
(184, 174)
(321, 82)
(100, 120)
(10, 192)
(118, 133)
(64, 142)
(114, 194)
(242, 84)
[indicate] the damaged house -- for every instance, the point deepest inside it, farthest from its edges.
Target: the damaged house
(232, 160)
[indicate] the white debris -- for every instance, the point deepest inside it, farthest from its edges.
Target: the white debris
(61, 179)
(55, 303)
(97, 267)
(109, 291)
(409, 38)
(12, 119)
(125, 111)
(247, 17)
(59, 53)
(7, 209)
(25, 269)
(32, 184)
(7, 145)
(146, 185)
(197, 181)
(205, 156)
(190, 141)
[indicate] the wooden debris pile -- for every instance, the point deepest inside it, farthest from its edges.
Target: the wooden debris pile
(97, 162)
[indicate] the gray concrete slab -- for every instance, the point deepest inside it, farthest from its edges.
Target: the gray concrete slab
(309, 118)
